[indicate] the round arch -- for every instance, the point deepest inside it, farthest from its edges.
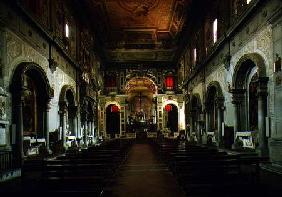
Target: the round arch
(195, 117)
(215, 84)
(68, 112)
(147, 81)
(170, 102)
(148, 75)
(17, 78)
(215, 110)
(172, 117)
(112, 119)
(112, 103)
(250, 97)
(31, 94)
(253, 58)
(63, 94)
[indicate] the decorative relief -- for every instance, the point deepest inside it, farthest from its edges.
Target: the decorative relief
(14, 48)
(3, 96)
(264, 41)
(138, 7)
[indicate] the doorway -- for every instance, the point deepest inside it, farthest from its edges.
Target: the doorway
(112, 120)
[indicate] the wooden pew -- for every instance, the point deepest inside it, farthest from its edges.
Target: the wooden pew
(91, 170)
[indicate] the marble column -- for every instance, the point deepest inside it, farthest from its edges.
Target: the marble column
(262, 105)
(220, 108)
(85, 133)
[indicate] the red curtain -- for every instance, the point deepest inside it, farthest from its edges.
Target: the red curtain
(114, 108)
(169, 82)
(168, 108)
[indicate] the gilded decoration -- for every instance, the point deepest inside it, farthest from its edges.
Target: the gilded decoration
(138, 7)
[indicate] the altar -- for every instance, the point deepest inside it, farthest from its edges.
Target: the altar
(247, 138)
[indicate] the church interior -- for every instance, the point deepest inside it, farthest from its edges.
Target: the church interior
(139, 98)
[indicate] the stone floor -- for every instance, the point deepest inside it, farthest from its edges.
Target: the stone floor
(144, 175)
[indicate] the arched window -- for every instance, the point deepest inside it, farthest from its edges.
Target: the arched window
(194, 56)
(215, 30)
(67, 30)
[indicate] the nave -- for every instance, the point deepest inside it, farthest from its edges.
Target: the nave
(144, 174)
(122, 168)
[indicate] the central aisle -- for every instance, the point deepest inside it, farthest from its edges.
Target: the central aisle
(143, 175)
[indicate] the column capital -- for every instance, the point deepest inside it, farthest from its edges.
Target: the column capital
(262, 81)
(48, 106)
(219, 102)
(237, 95)
(62, 105)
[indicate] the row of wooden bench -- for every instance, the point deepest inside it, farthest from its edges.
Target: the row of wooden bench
(91, 171)
(201, 170)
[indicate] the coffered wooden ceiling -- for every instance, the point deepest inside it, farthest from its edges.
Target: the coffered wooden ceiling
(137, 30)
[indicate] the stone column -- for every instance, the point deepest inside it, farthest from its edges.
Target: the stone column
(262, 105)
(207, 118)
(89, 128)
(92, 131)
(75, 126)
(85, 133)
(237, 99)
(78, 121)
(19, 129)
(46, 115)
(236, 117)
(199, 136)
(63, 111)
(63, 116)
(219, 127)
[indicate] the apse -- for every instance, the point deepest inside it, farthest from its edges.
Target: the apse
(140, 92)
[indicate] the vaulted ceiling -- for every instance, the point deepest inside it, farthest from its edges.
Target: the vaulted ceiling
(137, 30)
